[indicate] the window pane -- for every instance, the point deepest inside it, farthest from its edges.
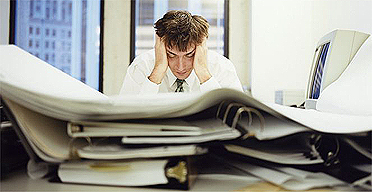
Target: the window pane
(149, 11)
(63, 33)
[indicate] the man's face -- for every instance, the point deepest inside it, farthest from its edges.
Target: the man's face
(181, 63)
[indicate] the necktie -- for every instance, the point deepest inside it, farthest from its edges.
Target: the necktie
(179, 85)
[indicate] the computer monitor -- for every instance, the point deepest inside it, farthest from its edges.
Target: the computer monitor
(332, 55)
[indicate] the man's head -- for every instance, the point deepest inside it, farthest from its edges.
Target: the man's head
(181, 32)
(179, 29)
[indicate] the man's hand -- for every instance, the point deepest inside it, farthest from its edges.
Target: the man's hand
(200, 62)
(161, 61)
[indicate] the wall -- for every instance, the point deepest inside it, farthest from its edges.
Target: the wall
(116, 44)
(284, 35)
(4, 22)
(239, 30)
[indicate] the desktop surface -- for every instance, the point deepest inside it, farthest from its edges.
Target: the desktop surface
(19, 181)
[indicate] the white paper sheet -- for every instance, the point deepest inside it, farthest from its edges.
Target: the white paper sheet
(116, 151)
(223, 182)
(171, 127)
(49, 91)
(273, 127)
(28, 72)
(290, 179)
(287, 157)
(46, 136)
(324, 121)
(211, 129)
(218, 136)
(216, 175)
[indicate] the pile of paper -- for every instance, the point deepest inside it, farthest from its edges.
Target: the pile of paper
(158, 140)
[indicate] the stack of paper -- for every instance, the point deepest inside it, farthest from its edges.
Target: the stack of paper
(112, 139)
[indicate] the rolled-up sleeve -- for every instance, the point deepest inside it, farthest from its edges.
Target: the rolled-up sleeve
(136, 79)
(130, 86)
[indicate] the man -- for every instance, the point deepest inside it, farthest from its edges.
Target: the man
(181, 61)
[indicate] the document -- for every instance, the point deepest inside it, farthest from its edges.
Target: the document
(324, 121)
(120, 173)
(147, 127)
(288, 178)
(143, 127)
(99, 151)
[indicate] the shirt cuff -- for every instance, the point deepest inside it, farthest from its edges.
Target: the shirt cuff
(148, 87)
(209, 85)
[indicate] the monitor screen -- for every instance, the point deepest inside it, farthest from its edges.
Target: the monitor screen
(333, 53)
(321, 56)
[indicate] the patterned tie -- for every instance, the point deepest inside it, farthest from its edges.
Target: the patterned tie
(179, 85)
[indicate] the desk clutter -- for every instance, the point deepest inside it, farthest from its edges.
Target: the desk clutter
(75, 134)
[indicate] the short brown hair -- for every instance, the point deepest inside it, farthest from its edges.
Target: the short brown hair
(181, 29)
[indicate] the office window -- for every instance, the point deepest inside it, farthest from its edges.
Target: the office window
(63, 11)
(47, 13)
(67, 32)
(54, 9)
(38, 4)
(149, 11)
(62, 33)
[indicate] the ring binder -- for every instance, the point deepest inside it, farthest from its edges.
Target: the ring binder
(178, 172)
(74, 146)
(323, 144)
(242, 108)
(181, 172)
(219, 109)
(228, 109)
(248, 110)
(332, 157)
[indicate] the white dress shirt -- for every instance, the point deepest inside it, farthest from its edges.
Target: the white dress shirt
(136, 80)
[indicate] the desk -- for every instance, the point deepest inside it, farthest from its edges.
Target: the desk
(19, 181)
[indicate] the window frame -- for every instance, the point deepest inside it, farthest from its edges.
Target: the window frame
(12, 30)
(133, 29)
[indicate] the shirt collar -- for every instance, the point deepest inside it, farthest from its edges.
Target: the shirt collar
(189, 80)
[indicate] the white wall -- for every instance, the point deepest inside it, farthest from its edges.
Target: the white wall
(4, 22)
(285, 33)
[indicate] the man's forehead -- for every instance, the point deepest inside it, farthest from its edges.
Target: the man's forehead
(175, 49)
